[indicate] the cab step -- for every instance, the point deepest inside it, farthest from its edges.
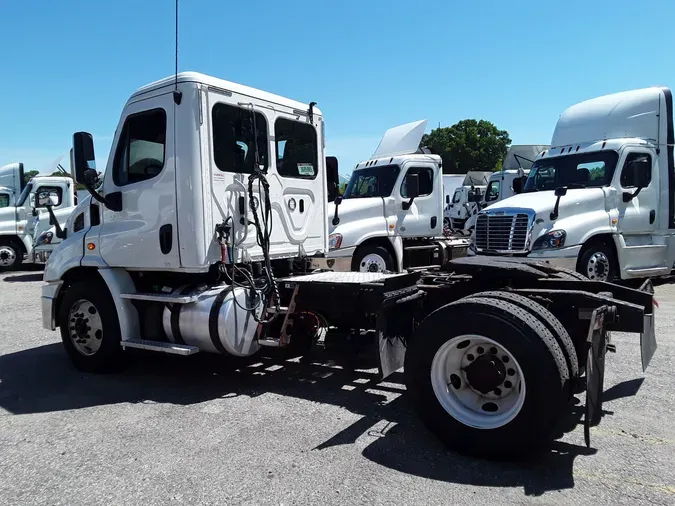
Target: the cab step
(167, 298)
(170, 348)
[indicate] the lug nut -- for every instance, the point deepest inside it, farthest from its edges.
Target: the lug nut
(511, 372)
(493, 350)
(480, 350)
(508, 384)
(498, 391)
(470, 357)
(505, 359)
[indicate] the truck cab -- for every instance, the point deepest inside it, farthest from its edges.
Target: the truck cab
(465, 203)
(391, 214)
(25, 219)
(600, 200)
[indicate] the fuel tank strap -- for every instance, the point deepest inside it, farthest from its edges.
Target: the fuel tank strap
(213, 320)
(175, 318)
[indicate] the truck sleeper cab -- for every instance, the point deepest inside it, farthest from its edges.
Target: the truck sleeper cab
(201, 239)
(600, 200)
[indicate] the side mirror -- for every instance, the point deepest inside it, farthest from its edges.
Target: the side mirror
(332, 178)
(475, 197)
(84, 159)
(447, 199)
(412, 185)
(561, 191)
(518, 184)
(641, 172)
(45, 199)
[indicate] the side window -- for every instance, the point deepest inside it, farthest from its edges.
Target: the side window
(628, 176)
(54, 192)
(4, 200)
(141, 149)
(233, 133)
(296, 147)
(457, 197)
(426, 178)
(492, 192)
(591, 174)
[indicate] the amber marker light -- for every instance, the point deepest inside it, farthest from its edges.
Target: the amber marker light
(91, 246)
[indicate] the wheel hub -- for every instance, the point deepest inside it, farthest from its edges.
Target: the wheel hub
(85, 327)
(7, 256)
(373, 263)
(598, 266)
(486, 373)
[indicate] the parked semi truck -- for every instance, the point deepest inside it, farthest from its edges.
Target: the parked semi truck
(23, 220)
(601, 200)
(201, 238)
(377, 226)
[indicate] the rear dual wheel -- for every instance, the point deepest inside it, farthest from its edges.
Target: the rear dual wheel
(487, 377)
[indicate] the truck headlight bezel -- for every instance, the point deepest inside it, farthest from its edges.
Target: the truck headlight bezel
(555, 239)
(44, 238)
(334, 241)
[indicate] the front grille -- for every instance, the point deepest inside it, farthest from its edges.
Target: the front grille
(507, 232)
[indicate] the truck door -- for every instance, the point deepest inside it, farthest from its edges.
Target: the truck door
(142, 168)
(425, 216)
(638, 219)
(7, 214)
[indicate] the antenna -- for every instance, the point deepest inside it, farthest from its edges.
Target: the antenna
(177, 95)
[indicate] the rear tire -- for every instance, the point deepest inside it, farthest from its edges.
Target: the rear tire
(548, 319)
(90, 328)
(487, 432)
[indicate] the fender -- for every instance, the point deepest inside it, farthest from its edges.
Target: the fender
(119, 282)
(397, 243)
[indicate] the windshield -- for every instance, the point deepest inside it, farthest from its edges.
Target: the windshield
(574, 171)
(372, 182)
(24, 194)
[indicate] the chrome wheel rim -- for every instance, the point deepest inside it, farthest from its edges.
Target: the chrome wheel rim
(372, 263)
(597, 267)
(85, 327)
(7, 256)
(478, 381)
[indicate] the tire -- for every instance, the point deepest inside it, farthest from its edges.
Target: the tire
(107, 354)
(369, 256)
(594, 255)
(569, 274)
(11, 255)
(536, 355)
(548, 319)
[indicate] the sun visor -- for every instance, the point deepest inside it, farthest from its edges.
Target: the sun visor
(401, 140)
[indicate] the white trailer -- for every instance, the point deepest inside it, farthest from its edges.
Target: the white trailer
(601, 200)
(201, 238)
(23, 219)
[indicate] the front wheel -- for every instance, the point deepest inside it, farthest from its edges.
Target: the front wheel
(597, 262)
(372, 259)
(493, 385)
(11, 256)
(90, 328)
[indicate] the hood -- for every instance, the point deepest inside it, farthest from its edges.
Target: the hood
(401, 140)
(576, 201)
(351, 210)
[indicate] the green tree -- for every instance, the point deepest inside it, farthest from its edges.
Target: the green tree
(468, 145)
(28, 175)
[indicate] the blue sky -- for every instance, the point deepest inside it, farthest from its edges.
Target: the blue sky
(70, 65)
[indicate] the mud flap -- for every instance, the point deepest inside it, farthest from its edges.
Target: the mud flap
(596, 343)
(395, 325)
(648, 335)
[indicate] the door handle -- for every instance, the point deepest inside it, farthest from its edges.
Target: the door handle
(652, 216)
(434, 221)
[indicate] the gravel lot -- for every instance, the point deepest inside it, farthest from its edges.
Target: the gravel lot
(198, 431)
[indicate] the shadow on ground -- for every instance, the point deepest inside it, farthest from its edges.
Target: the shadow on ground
(42, 380)
(23, 278)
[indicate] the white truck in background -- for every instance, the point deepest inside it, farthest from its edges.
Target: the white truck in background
(200, 240)
(390, 217)
(23, 221)
(601, 200)
(510, 179)
(464, 204)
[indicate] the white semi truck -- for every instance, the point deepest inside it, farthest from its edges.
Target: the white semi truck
(201, 237)
(601, 200)
(377, 225)
(23, 220)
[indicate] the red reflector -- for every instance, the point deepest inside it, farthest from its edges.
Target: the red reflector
(656, 303)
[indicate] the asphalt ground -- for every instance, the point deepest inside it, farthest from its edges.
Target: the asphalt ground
(199, 430)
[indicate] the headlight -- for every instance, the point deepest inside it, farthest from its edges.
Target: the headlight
(45, 238)
(334, 241)
(552, 240)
